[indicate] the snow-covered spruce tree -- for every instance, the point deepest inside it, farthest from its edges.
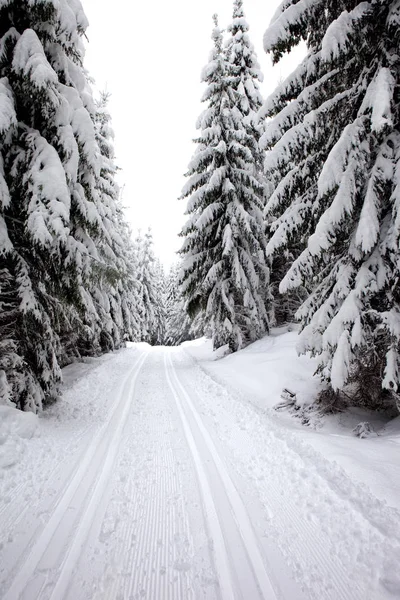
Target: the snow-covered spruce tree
(35, 198)
(243, 76)
(334, 147)
(158, 337)
(115, 289)
(177, 320)
(52, 217)
(150, 275)
(224, 273)
(179, 327)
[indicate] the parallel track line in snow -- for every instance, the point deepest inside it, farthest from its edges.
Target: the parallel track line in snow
(86, 519)
(355, 494)
(126, 552)
(16, 515)
(240, 513)
(220, 551)
(38, 549)
(241, 519)
(286, 453)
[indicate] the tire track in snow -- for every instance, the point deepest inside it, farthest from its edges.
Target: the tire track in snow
(106, 439)
(256, 577)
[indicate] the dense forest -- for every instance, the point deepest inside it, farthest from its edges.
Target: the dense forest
(292, 203)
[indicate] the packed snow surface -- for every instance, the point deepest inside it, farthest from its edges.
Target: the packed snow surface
(164, 474)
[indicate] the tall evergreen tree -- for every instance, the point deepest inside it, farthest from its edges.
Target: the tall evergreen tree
(158, 337)
(334, 147)
(57, 214)
(150, 276)
(224, 272)
(243, 76)
(39, 149)
(179, 327)
(116, 289)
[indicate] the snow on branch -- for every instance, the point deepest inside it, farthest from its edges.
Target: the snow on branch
(341, 362)
(391, 320)
(334, 167)
(379, 98)
(49, 204)
(284, 226)
(30, 61)
(295, 276)
(282, 190)
(391, 374)
(72, 16)
(28, 301)
(294, 112)
(5, 242)
(344, 318)
(281, 27)
(369, 223)
(341, 206)
(216, 178)
(281, 8)
(227, 241)
(294, 81)
(209, 214)
(336, 38)
(5, 197)
(8, 117)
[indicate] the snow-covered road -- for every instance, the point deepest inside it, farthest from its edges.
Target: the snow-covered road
(151, 481)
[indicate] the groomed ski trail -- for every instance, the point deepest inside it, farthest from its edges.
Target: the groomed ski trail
(240, 566)
(178, 489)
(82, 493)
(337, 540)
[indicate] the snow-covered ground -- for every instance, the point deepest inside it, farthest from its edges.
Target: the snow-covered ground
(164, 474)
(258, 374)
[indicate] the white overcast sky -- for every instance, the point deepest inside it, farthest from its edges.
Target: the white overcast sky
(149, 56)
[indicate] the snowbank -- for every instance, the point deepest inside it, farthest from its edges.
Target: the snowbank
(258, 375)
(262, 369)
(79, 402)
(15, 428)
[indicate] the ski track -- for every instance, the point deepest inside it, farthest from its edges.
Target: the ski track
(38, 490)
(340, 542)
(185, 491)
(222, 500)
(148, 537)
(72, 500)
(17, 517)
(111, 444)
